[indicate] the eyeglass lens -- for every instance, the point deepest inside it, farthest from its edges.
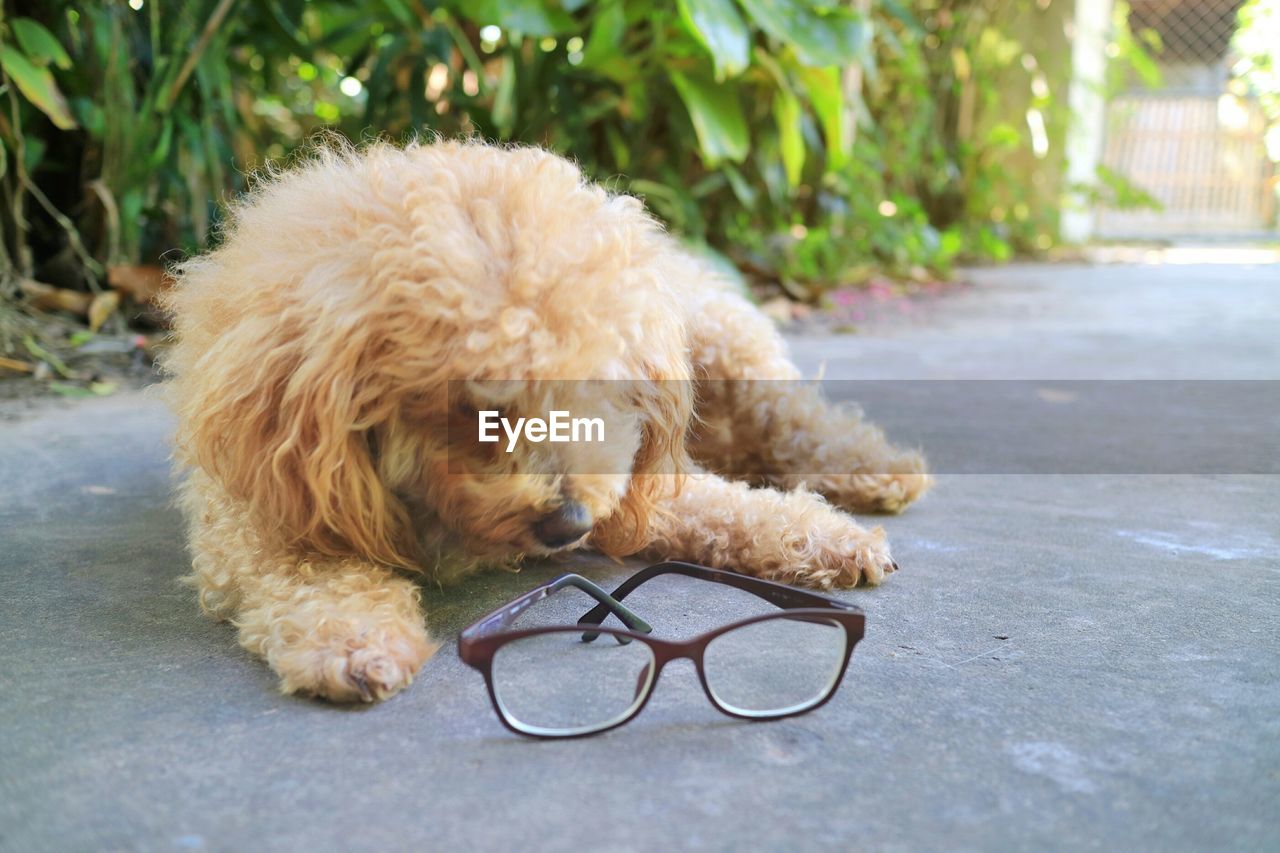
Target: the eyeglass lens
(556, 684)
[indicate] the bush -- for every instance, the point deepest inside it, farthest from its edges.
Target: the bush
(809, 141)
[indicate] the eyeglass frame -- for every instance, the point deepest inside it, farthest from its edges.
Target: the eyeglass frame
(480, 641)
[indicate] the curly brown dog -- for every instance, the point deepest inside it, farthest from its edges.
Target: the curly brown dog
(314, 351)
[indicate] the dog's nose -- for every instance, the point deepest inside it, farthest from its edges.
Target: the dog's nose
(569, 523)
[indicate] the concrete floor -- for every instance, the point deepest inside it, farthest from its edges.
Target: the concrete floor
(1064, 662)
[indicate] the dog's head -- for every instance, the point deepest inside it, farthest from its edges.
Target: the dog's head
(541, 496)
(366, 306)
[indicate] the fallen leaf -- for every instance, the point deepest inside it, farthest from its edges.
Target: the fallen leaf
(66, 389)
(102, 307)
(140, 282)
(47, 357)
(15, 365)
(46, 297)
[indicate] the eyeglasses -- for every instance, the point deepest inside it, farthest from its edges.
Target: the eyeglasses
(557, 681)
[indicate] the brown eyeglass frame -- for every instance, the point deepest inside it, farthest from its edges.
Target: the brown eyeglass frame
(478, 643)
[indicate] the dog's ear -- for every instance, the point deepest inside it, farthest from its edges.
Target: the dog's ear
(284, 419)
(658, 469)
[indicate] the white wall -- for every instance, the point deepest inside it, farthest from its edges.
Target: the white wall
(1088, 113)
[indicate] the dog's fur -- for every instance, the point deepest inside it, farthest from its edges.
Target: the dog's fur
(314, 349)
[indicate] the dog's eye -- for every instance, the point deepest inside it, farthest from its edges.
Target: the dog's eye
(468, 408)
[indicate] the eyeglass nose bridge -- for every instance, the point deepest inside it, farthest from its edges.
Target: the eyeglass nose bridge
(670, 654)
(665, 653)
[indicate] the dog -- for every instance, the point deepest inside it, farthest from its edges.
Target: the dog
(314, 352)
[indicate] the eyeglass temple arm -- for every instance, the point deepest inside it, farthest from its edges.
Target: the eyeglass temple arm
(775, 593)
(608, 603)
(503, 618)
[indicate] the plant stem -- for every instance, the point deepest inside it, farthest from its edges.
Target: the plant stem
(73, 236)
(112, 212)
(20, 226)
(193, 58)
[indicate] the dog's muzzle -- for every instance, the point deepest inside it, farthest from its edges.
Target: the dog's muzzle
(563, 526)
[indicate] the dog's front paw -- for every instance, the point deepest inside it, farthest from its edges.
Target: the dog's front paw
(352, 663)
(890, 493)
(890, 486)
(854, 558)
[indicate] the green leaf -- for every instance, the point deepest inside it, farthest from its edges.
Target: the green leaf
(380, 85)
(742, 189)
(284, 25)
(1004, 135)
(33, 153)
(79, 392)
(717, 118)
(38, 86)
(904, 16)
(836, 38)
(90, 115)
(131, 203)
(531, 17)
(618, 147)
(721, 30)
(418, 109)
(606, 35)
(950, 244)
(786, 112)
(787, 116)
(504, 102)
(39, 44)
(161, 151)
(47, 357)
(399, 11)
(73, 392)
(1146, 68)
(823, 87)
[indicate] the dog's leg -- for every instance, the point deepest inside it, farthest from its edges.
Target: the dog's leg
(345, 630)
(792, 537)
(762, 423)
(785, 434)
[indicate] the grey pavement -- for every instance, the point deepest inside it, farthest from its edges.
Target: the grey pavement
(1064, 662)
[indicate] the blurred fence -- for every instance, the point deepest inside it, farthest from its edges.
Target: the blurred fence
(1201, 156)
(1194, 144)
